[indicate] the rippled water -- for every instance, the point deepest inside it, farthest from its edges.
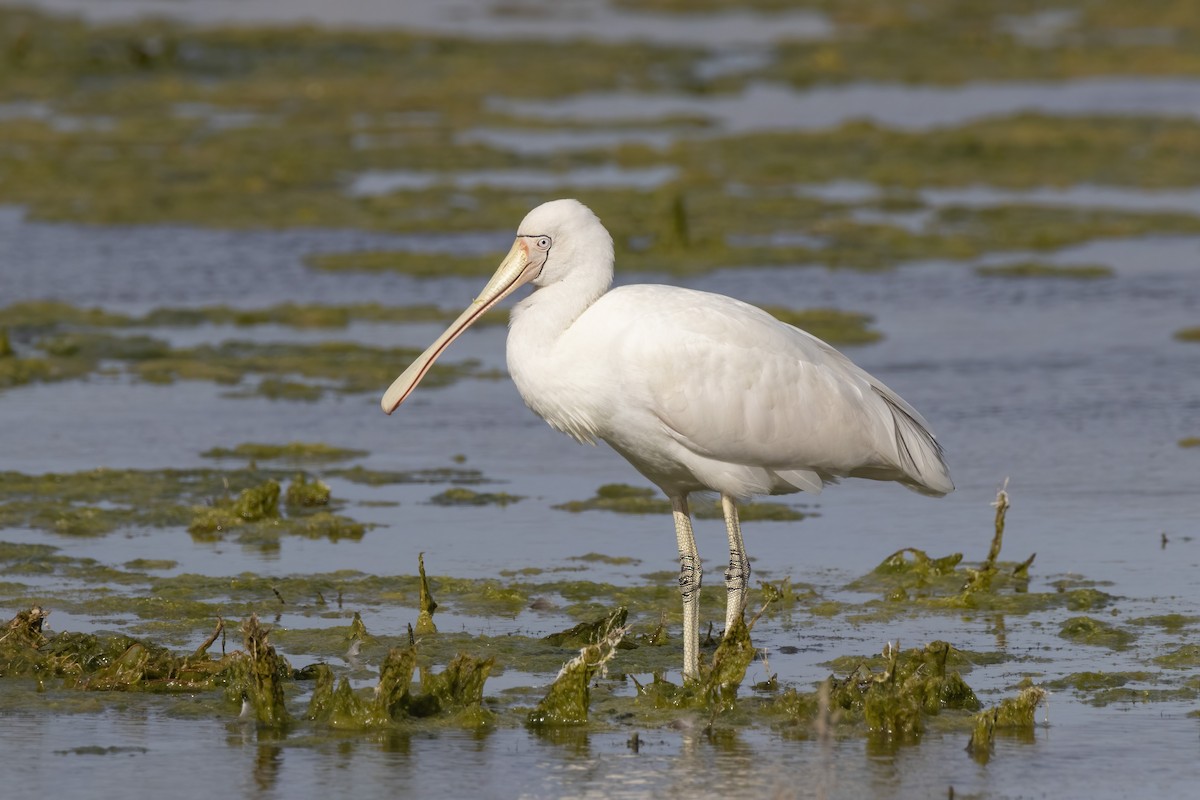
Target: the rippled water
(767, 106)
(527, 20)
(1073, 390)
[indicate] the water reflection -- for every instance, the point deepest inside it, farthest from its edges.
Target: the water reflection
(268, 762)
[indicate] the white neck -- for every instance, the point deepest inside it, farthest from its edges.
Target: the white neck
(550, 310)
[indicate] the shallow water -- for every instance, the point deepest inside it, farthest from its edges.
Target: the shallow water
(1073, 391)
(595, 20)
(767, 106)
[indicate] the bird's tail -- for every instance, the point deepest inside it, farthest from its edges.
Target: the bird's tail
(918, 455)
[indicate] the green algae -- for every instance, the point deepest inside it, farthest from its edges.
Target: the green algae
(600, 558)
(296, 452)
(286, 371)
(893, 704)
(259, 679)
(1172, 623)
(287, 165)
(1188, 334)
(147, 564)
(625, 499)
(1089, 682)
(1087, 630)
(105, 663)
(566, 702)
(1184, 657)
(1013, 716)
(589, 633)
(421, 265)
(43, 315)
(831, 324)
(910, 579)
(370, 477)
(459, 496)
(98, 502)
(1191, 441)
(456, 690)
(303, 493)
(950, 42)
(253, 504)
(720, 679)
(1037, 269)
(426, 604)
(889, 699)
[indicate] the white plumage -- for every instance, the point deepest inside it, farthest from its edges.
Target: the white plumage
(700, 392)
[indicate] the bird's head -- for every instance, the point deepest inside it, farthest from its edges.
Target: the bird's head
(555, 240)
(560, 236)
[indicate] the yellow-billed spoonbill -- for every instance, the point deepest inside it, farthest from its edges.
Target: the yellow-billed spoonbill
(700, 392)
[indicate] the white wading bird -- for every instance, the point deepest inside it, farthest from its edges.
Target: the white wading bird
(699, 392)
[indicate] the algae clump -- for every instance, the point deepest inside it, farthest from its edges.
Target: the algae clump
(1037, 269)
(830, 324)
(258, 677)
(293, 451)
(427, 604)
(587, 633)
(1087, 630)
(566, 703)
(303, 493)
(914, 684)
(1014, 715)
(459, 496)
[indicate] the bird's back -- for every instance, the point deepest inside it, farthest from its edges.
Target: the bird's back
(744, 400)
(701, 391)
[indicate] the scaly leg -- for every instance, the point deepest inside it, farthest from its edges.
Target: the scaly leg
(689, 586)
(737, 577)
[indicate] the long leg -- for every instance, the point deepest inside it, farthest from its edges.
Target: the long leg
(689, 586)
(737, 577)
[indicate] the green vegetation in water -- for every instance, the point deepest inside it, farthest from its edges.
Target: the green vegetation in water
(47, 314)
(458, 496)
(372, 477)
(1014, 716)
(254, 515)
(1188, 334)
(259, 680)
(1088, 630)
(895, 703)
(832, 325)
(295, 452)
(566, 703)
(1191, 441)
(209, 503)
(1037, 269)
(890, 699)
(1087, 682)
(114, 145)
(303, 493)
(426, 604)
(1185, 657)
(960, 42)
(456, 692)
(64, 343)
(625, 499)
(587, 633)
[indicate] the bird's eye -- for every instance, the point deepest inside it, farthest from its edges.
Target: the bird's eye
(543, 243)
